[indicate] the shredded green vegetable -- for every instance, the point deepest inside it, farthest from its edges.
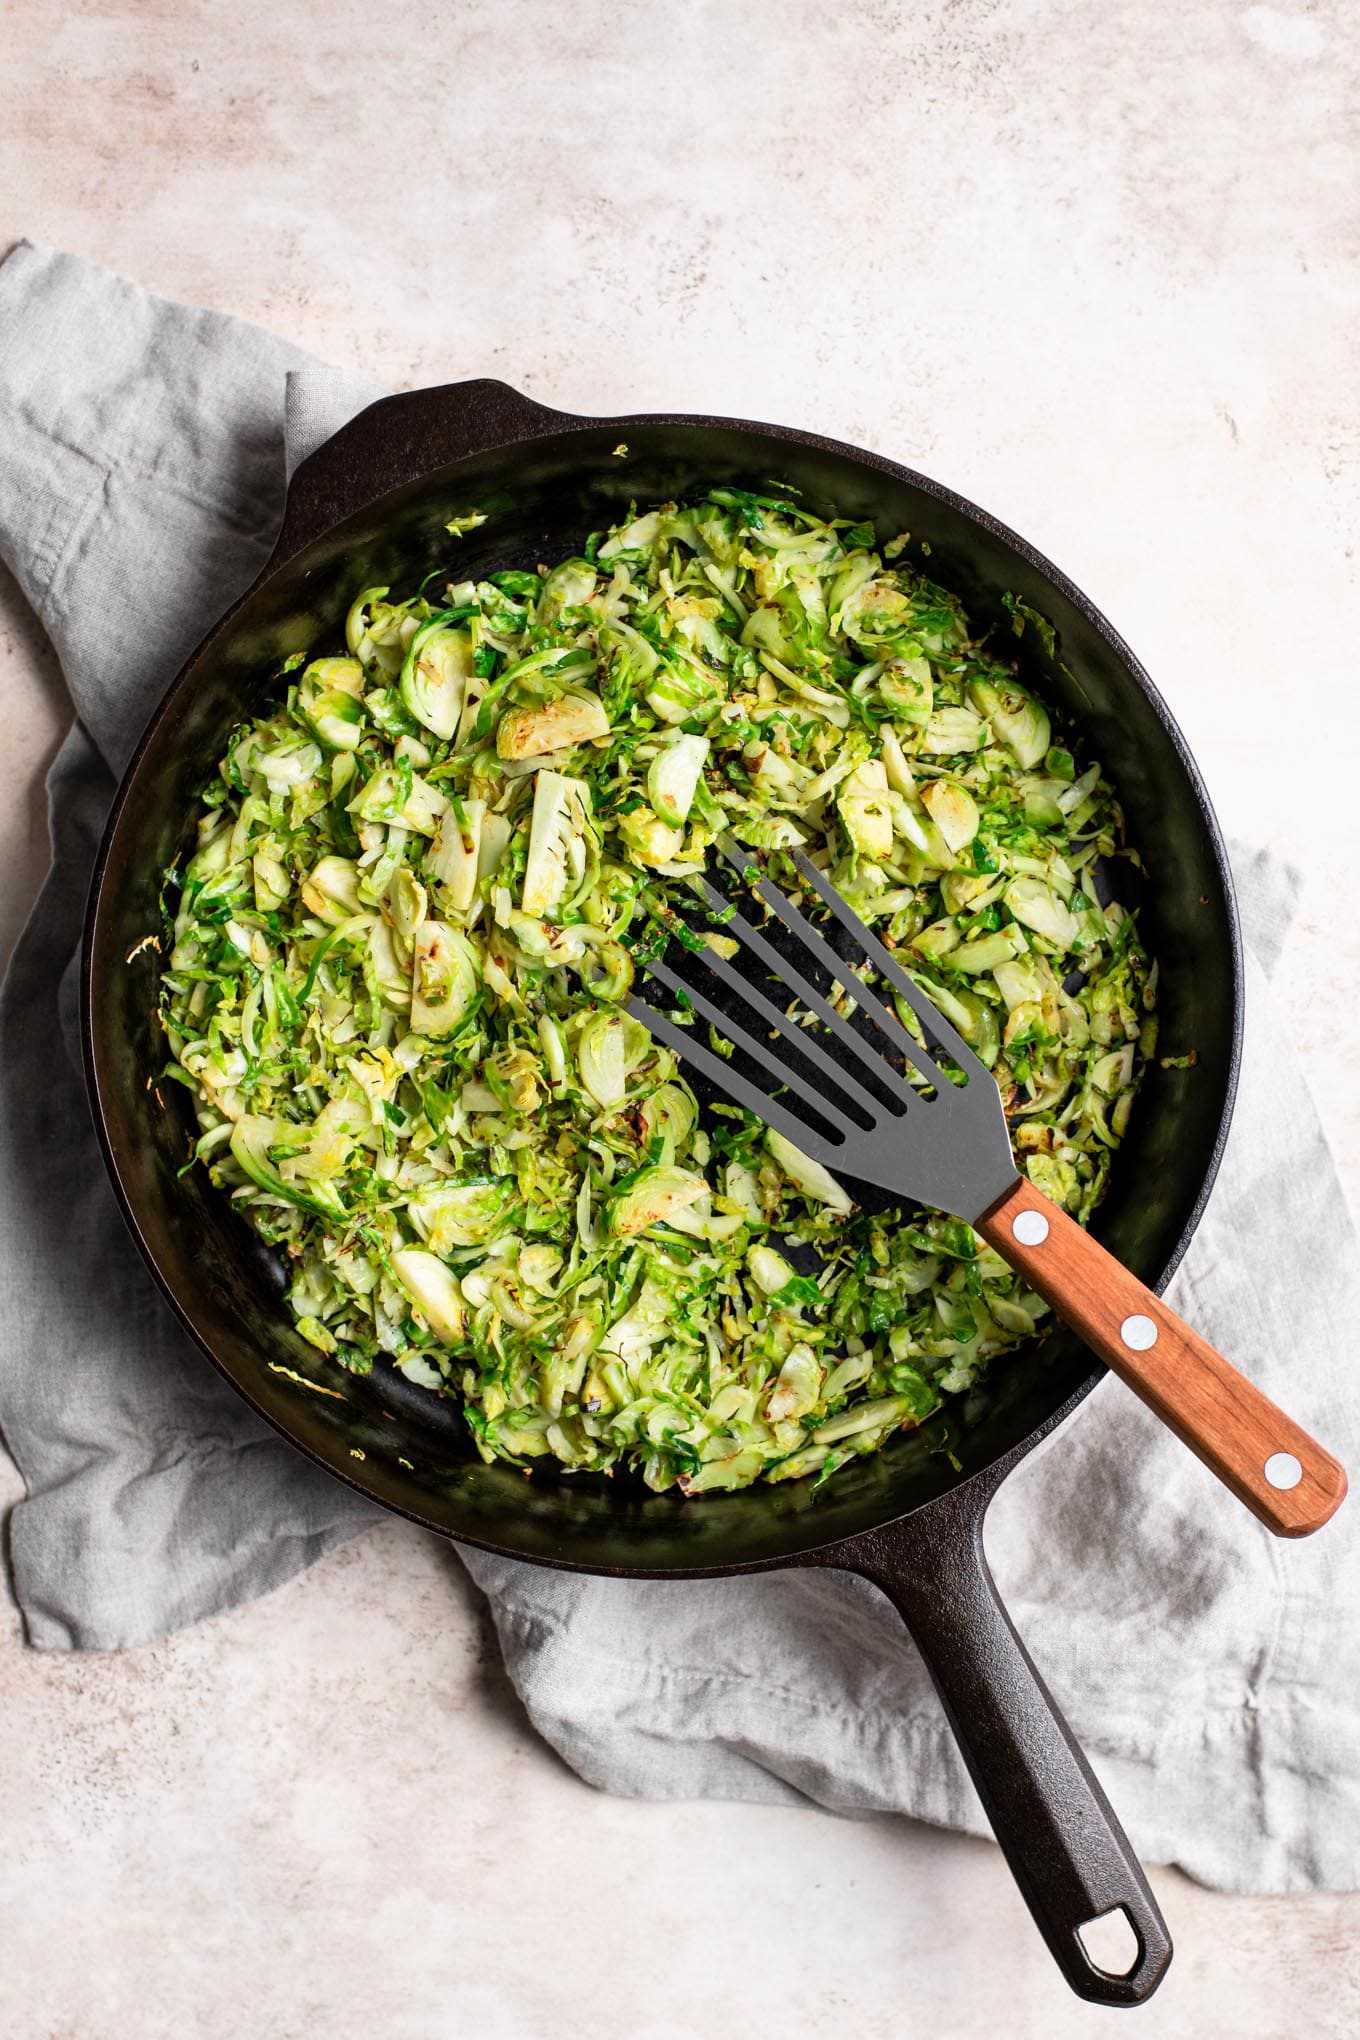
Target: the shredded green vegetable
(400, 949)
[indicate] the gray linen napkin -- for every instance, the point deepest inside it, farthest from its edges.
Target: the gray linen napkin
(1212, 1674)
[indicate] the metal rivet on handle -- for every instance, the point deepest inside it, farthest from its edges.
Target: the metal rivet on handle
(1030, 1228)
(1138, 1333)
(1283, 1470)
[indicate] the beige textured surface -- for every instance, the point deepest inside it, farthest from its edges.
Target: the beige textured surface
(1096, 266)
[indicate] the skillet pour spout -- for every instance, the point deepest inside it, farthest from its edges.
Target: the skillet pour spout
(372, 506)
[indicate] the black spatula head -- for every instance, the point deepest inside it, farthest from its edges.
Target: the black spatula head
(921, 1118)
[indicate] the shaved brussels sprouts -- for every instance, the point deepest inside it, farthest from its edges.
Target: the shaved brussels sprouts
(865, 811)
(434, 676)
(651, 841)
(953, 810)
(398, 954)
(610, 1048)
(455, 859)
(673, 777)
(1016, 717)
(810, 1177)
(1041, 909)
(331, 889)
(558, 726)
(444, 981)
(329, 695)
(655, 1196)
(557, 840)
(908, 688)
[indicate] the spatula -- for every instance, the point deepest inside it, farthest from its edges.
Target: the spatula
(947, 1146)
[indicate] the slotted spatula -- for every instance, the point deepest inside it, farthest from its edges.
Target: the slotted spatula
(949, 1147)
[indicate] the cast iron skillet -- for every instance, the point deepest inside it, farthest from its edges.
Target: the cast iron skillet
(371, 506)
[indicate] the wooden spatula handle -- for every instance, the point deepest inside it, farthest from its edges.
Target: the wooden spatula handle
(1284, 1476)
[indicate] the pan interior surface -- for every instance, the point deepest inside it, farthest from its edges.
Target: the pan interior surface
(541, 498)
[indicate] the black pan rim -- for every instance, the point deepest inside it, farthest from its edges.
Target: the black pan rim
(556, 427)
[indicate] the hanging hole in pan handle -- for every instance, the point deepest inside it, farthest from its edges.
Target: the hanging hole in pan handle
(1110, 1942)
(397, 440)
(1075, 1867)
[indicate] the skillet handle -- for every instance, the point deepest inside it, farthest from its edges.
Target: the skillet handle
(398, 439)
(1065, 1847)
